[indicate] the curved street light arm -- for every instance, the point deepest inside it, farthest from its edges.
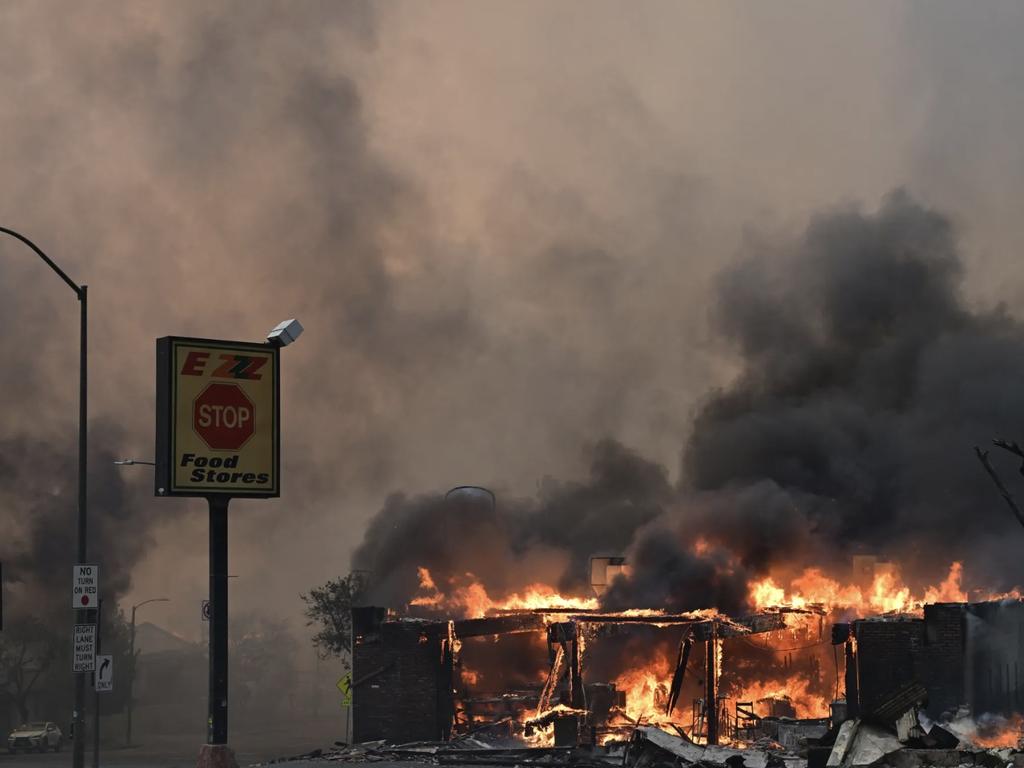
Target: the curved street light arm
(63, 276)
(152, 600)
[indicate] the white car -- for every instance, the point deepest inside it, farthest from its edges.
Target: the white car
(37, 737)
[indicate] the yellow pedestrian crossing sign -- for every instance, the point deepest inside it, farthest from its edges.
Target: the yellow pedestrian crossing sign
(345, 686)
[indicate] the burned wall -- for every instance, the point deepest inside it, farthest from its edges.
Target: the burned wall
(402, 681)
(888, 657)
(963, 653)
(994, 651)
(943, 657)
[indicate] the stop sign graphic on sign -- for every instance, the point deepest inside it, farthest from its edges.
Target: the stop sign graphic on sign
(217, 418)
(224, 417)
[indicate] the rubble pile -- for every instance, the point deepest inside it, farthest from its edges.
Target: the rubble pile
(472, 751)
(899, 737)
(652, 747)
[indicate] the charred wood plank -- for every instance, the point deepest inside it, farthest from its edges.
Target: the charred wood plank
(499, 625)
(677, 676)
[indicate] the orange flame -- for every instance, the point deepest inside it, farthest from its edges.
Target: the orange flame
(886, 594)
(471, 600)
(796, 690)
(646, 688)
(998, 732)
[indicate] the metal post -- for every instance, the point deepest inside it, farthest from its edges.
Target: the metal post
(131, 681)
(218, 701)
(78, 756)
(96, 693)
(350, 718)
(711, 697)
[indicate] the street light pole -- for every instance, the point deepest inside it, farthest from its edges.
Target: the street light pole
(81, 291)
(131, 667)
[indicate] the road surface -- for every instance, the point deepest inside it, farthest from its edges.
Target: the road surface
(178, 752)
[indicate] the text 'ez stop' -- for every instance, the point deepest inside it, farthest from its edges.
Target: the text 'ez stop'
(223, 416)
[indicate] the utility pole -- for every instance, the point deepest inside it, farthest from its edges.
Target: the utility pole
(81, 291)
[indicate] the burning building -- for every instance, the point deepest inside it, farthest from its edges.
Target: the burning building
(843, 434)
(569, 671)
(410, 683)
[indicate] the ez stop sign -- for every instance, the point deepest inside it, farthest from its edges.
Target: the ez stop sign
(223, 416)
(217, 428)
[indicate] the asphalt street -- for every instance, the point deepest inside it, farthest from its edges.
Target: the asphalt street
(142, 758)
(179, 753)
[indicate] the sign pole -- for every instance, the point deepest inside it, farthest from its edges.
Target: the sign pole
(218, 437)
(218, 701)
(96, 693)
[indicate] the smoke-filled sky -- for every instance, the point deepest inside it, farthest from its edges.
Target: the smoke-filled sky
(513, 231)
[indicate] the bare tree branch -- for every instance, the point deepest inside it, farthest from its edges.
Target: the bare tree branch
(1007, 445)
(1013, 448)
(983, 458)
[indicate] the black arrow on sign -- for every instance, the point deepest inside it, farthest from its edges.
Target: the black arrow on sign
(103, 666)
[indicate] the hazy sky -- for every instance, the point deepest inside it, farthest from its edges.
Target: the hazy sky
(498, 221)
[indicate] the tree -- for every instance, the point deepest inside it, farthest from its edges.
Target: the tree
(1015, 449)
(329, 607)
(27, 651)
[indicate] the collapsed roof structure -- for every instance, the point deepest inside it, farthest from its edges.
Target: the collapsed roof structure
(404, 669)
(898, 671)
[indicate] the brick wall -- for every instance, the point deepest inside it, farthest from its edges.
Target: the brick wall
(402, 687)
(962, 653)
(943, 657)
(888, 657)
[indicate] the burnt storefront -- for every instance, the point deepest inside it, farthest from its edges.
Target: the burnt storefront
(523, 673)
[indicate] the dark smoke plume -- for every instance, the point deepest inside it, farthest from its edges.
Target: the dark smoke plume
(865, 380)
(519, 542)
(40, 499)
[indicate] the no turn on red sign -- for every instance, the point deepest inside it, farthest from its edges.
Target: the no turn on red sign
(85, 586)
(217, 418)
